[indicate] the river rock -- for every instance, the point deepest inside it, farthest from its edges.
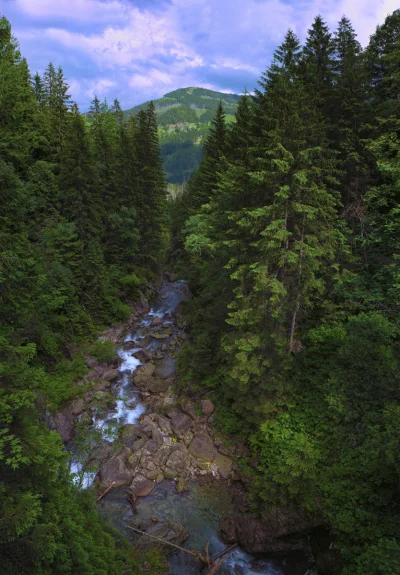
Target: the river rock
(161, 335)
(152, 446)
(141, 486)
(77, 406)
(181, 424)
(130, 429)
(172, 411)
(178, 462)
(202, 447)
(207, 407)
(116, 470)
(256, 536)
(145, 370)
(137, 444)
(224, 465)
(99, 454)
(181, 485)
(110, 375)
(91, 362)
(157, 385)
(143, 355)
(128, 345)
(187, 406)
(64, 422)
(156, 321)
(144, 341)
(163, 423)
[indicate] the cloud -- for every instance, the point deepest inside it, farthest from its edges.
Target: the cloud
(73, 10)
(138, 49)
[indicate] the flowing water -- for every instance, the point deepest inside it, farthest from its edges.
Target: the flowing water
(201, 507)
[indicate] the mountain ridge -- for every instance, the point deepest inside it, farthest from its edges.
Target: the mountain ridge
(184, 117)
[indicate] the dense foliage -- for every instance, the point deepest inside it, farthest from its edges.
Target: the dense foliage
(184, 118)
(289, 236)
(82, 229)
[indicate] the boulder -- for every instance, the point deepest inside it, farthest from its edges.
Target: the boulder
(141, 486)
(172, 411)
(143, 342)
(156, 321)
(160, 335)
(64, 422)
(130, 429)
(256, 536)
(187, 406)
(137, 444)
(152, 446)
(91, 362)
(178, 462)
(116, 470)
(207, 407)
(163, 423)
(202, 447)
(77, 406)
(224, 465)
(110, 375)
(181, 424)
(181, 485)
(127, 345)
(145, 370)
(157, 385)
(99, 454)
(143, 355)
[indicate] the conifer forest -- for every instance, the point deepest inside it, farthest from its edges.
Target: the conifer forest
(287, 237)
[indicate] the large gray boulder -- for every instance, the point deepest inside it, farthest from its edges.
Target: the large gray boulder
(64, 422)
(110, 375)
(181, 424)
(178, 462)
(141, 486)
(116, 470)
(269, 536)
(202, 447)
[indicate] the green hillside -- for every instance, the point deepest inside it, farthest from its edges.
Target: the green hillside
(184, 117)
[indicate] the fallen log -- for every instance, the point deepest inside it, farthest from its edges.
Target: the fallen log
(216, 567)
(192, 552)
(105, 492)
(224, 552)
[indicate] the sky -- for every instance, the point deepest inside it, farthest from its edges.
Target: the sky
(137, 50)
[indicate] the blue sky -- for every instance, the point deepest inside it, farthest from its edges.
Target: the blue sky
(136, 50)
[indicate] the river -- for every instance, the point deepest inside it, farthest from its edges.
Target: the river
(200, 508)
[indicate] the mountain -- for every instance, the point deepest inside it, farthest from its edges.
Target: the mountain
(184, 117)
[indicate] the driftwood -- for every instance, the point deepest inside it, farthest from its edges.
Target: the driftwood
(105, 492)
(196, 554)
(224, 552)
(203, 558)
(216, 567)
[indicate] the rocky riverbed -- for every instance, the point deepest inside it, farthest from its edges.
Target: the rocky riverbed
(171, 474)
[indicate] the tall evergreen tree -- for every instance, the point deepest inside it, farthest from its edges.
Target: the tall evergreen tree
(318, 65)
(350, 115)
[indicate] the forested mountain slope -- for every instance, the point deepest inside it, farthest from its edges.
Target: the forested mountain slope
(184, 117)
(289, 235)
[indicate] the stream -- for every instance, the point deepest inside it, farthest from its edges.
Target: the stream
(200, 508)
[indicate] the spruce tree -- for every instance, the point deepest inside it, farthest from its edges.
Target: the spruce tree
(292, 235)
(350, 118)
(318, 65)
